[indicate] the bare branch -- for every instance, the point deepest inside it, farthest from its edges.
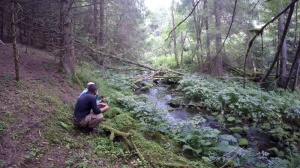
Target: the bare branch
(183, 20)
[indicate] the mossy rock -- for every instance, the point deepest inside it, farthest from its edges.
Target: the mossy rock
(146, 88)
(229, 138)
(192, 104)
(124, 122)
(280, 154)
(273, 151)
(230, 119)
(238, 136)
(170, 109)
(243, 142)
(113, 112)
(237, 130)
(214, 114)
(158, 137)
(220, 117)
(237, 121)
(266, 126)
(175, 102)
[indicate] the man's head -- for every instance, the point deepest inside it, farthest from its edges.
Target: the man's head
(92, 89)
(90, 83)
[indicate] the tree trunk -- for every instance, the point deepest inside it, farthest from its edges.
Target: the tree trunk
(219, 62)
(283, 71)
(296, 75)
(2, 24)
(197, 33)
(14, 39)
(207, 37)
(95, 23)
(67, 57)
(102, 23)
(174, 35)
(182, 46)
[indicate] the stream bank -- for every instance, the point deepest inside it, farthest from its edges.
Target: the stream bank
(232, 129)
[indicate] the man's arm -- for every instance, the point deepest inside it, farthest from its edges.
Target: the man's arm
(103, 107)
(95, 108)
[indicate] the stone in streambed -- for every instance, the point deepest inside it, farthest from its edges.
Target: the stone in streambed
(273, 151)
(228, 138)
(280, 154)
(214, 114)
(175, 102)
(266, 126)
(237, 129)
(243, 142)
(230, 119)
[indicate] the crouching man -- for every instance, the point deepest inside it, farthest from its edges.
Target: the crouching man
(87, 114)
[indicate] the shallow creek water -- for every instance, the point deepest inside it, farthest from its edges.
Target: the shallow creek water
(160, 95)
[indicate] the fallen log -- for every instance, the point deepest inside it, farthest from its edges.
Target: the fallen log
(127, 60)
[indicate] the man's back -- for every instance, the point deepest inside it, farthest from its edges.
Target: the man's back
(84, 105)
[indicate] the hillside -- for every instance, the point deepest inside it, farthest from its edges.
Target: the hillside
(28, 109)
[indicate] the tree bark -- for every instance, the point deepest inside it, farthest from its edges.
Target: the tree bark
(219, 62)
(14, 39)
(2, 24)
(67, 56)
(182, 48)
(95, 23)
(102, 23)
(205, 8)
(174, 35)
(197, 32)
(283, 71)
(296, 76)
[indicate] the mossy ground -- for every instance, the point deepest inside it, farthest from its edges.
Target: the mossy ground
(36, 128)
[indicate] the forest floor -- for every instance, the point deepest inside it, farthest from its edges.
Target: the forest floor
(28, 106)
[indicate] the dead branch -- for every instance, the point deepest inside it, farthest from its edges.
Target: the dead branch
(260, 32)
(282, 39)
(183, 20)
(117, 57)
(232, 18)
(1, 42)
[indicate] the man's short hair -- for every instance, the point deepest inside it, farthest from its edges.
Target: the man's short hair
(92, 88)
(90, 83)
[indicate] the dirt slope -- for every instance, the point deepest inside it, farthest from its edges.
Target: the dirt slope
(26, 106)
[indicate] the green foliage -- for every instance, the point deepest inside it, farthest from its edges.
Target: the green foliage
(167, 61)
(111, 113)
(231, 97)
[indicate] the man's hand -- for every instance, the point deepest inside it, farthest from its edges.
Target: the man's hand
(103, 107)
(103, 99)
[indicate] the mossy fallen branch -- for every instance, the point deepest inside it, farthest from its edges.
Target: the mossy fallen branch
(165, 164)
(114, 133)
(139, 153)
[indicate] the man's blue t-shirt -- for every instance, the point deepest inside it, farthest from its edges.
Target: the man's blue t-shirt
(84, 105)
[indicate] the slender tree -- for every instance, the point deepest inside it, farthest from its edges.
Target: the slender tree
(283, 53)
(102, 23)
(95, 22)
(174, 34)
(208, 57)
(14, 38)
(67, 57)
(218, 59)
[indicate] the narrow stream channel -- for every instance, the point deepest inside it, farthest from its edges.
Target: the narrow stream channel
(160, 95)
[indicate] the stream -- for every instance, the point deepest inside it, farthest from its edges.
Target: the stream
(160, 95)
